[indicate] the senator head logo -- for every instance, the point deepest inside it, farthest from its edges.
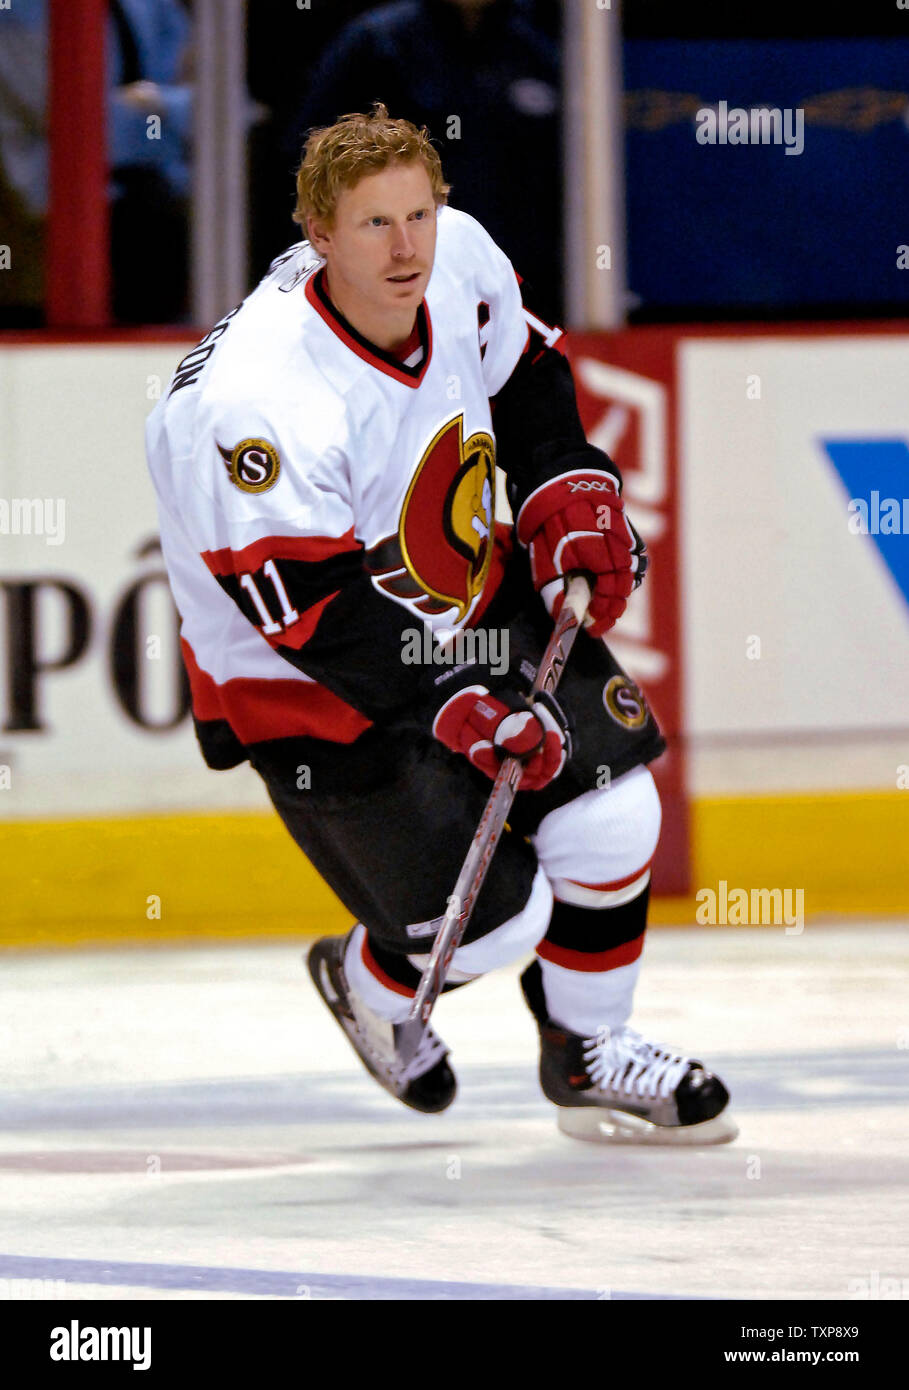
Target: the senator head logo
(440, 557)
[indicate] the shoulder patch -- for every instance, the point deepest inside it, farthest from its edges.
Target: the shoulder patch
(253, 465)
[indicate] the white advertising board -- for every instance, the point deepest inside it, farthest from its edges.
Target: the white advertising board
(90, 687)
(796, 624)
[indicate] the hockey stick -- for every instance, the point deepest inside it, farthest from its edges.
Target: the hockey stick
(470, 879)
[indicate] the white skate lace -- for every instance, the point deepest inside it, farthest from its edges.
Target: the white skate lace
(625, 1062)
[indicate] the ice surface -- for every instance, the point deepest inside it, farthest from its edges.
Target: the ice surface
(191, 1123)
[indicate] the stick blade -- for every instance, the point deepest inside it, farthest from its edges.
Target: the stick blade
(408, 1037)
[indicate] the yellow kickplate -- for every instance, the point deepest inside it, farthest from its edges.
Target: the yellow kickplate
(170, 877)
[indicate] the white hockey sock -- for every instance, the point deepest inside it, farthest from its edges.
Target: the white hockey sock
(389, 1000)
(586, 1000)
(596, 851)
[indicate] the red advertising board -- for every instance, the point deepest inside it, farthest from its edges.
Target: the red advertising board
(626, 384)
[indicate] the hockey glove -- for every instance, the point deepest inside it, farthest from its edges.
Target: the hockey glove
(484, 718)
(577, 523)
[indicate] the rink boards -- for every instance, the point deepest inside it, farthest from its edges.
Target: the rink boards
(772, 636)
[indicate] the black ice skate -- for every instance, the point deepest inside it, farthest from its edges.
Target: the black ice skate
(620, 1088)
(427, 1083)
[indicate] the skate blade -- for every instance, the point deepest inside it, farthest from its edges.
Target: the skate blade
(602, 1126)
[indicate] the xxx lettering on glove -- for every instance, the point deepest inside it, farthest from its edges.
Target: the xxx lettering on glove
(487, 727)
(576, 523)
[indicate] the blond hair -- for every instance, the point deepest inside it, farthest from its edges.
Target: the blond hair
(337, 157)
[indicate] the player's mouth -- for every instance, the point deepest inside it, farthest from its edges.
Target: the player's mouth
(409, 279)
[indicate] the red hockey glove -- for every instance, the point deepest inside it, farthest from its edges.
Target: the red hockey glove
(577, 523)
(487, 727)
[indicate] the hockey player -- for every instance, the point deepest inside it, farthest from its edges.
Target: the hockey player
(325, 464)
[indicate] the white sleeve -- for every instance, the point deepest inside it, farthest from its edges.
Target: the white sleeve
(271, 519)
(505, 334)
(257, 477)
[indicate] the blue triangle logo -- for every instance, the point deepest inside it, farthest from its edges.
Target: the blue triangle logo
(876, 472)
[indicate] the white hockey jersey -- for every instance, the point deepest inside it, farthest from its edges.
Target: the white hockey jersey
(317, 496)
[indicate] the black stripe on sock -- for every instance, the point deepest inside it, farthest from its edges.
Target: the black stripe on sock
(597, 928)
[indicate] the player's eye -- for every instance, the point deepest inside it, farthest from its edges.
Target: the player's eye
(376, 221)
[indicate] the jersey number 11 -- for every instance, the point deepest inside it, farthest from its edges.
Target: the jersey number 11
(288, 614)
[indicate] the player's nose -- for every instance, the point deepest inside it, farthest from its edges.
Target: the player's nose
(402, 245)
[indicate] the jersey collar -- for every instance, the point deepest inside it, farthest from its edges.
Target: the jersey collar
(376, 357)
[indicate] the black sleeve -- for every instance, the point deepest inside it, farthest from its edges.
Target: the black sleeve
(537, 427)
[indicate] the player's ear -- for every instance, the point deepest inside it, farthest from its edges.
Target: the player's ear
(318, 234)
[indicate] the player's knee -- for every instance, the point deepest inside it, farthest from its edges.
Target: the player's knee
(596, 850)
(502, 944)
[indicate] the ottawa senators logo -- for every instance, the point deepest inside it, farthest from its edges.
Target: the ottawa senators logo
(253, 466)
(625, 703)
(440, 556)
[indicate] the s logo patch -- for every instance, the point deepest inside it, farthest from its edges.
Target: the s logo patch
(253, 466)
(625, 703)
